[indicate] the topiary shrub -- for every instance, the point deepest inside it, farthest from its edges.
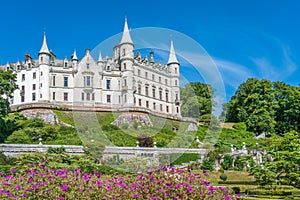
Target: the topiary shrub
(223, 177)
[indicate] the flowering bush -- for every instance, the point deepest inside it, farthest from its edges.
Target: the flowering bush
(163, 183)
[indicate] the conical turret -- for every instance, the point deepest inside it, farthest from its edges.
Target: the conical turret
(172, 55)
(126, 38)
(44, 48)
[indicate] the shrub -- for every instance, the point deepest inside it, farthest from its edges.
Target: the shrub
(223, 177)
(58, 150)
(240, 126)
(135, 125)
(145, 140)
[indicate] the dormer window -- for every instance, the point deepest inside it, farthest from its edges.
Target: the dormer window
(66, 65)
(87, 66)
(108, 68)
(29, 65)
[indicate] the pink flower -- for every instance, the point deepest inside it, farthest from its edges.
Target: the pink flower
(64, 187)
(19, 187)
(136, 195)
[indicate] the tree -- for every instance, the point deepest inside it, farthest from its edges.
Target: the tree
(197, 99)
(7, 86)
(283, 161)
(254, 104)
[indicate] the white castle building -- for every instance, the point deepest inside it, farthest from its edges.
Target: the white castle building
(124, 82)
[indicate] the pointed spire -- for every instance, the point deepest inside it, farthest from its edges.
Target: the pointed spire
(100, 59)
(74, 56)
(172, 55)
(126, 35)
(44, 48)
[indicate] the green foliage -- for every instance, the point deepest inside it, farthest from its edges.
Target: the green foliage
(227, 162)
(208, 163)
(253, 103)
(8, 84)
(240, 126)
(223, 177)
(281, 165)
(196, 99)
(9, 124)
(135, 124)
(178, 159)
(266, 107)
(58, 150)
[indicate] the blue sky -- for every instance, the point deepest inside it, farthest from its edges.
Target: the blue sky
(250, 38)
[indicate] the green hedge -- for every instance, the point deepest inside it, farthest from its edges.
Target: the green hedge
(243, 182)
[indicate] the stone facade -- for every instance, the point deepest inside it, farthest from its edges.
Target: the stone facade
(126, 81)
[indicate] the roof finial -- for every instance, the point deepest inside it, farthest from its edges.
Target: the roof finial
(44, 48)
(172, 55)
(126, 35)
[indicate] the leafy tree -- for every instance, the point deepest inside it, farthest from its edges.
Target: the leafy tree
(7, 86)
(282, 162)
(254, 104)
(196, 99)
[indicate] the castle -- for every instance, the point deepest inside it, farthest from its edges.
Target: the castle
(124, 82)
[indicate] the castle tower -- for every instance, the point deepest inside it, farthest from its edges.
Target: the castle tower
(44, 62)
(44, 53)
(174, 67)
(124, 55)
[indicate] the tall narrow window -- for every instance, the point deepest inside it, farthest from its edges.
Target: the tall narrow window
(41, 73)
(108, 84)
(66, 65)
(93, 96)
(53, 96)
(88, 81)
(33, 87)
(167, 109)
(147, 104)
(175, 70)
(22, 98)
(161, 107)
(146, 74)
(177, 109)
(34, 75)
(160, 94)
(153, 92)
(108, 98)
(154, 106)
(159, 79)
(139, 89)
(123, 52)
(146, 91)
(88, 96)
(87, 66)
(167, 96)
(125, 82)
(153, 77)
(124, 66)
(166, 81)
(82, 96)
(65, 81)
(53, 80)
(23, 77)
(176, 96)
(65, 96)
(125, 98)
(140, 102)
(176, 83)
(33, 96)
